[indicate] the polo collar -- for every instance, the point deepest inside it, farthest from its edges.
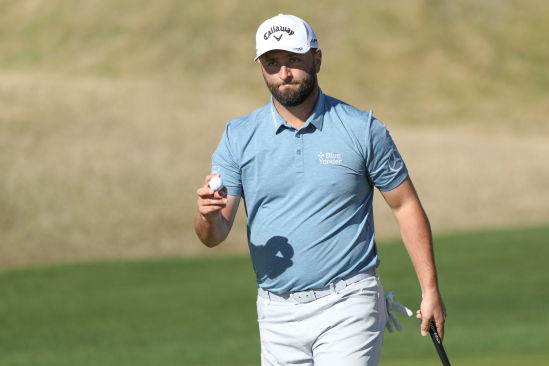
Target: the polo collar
(276, 119)
(316, 118)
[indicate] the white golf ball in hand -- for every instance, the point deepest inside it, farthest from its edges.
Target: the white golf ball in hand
(216, 183)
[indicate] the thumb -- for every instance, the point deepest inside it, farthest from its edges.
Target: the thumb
(425, 326)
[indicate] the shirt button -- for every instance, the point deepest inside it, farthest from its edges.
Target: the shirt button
(298, 152)
(298, 136)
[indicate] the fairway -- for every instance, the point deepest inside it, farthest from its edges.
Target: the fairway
(202, 311)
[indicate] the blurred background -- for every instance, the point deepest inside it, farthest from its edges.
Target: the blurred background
(109, 114)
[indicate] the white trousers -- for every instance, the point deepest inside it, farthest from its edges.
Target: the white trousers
(341, 329)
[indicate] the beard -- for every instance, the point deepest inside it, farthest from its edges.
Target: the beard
(293, 98)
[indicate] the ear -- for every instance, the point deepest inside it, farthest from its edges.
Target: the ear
(318, 60)
(260, 65)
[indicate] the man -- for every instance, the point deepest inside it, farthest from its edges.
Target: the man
(306, 165)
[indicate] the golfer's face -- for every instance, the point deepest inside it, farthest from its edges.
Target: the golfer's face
(289, 76)
(286, 69)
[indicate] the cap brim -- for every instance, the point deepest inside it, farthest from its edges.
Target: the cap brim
(288, 48)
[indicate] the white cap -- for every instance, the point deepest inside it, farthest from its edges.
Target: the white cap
(284, 32)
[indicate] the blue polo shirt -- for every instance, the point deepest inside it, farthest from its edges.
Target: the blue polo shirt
(308, 192)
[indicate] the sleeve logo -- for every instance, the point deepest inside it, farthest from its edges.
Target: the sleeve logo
(395, 161)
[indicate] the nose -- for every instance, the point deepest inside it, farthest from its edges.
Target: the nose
(285, 73)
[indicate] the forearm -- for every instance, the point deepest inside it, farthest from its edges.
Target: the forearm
(416, 235)
(211, 232)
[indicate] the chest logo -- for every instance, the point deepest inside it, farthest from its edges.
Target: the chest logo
(329, 158)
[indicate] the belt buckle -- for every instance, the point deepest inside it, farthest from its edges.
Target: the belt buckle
(303, 297)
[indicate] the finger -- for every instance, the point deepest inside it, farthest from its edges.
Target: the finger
(425, 326)
(418, 315)
(209, 177)
(205, 210)
(205, 192)
(212, 202)
(440, 328)
(221, 193)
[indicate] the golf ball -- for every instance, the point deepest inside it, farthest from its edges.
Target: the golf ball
(216, 183)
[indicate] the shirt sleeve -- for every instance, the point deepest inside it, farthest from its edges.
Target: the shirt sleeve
(385, 167)
(225, 164)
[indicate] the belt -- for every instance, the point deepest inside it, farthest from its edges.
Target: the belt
(302, 297)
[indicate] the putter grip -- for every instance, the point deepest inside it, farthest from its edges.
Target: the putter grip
(438, 344)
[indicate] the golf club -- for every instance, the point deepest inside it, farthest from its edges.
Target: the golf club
(438, 344)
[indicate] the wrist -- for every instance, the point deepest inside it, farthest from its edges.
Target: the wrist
(430, 291)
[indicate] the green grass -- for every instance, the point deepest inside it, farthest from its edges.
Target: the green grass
(202, 311)
(181, 312)
(494, 287)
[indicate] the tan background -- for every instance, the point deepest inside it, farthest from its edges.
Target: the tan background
(110, 111)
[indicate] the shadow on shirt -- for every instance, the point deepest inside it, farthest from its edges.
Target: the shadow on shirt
(272, 259)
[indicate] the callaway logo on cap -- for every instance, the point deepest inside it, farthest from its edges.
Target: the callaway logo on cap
(284, 32)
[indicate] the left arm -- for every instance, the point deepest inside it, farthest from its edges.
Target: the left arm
(416, 235)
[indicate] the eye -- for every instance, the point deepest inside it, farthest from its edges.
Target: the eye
(271, 63)
(294, 59)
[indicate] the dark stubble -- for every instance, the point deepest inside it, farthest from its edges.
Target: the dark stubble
(291, 98)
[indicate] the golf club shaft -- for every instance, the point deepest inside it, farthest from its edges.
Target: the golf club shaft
(438, 344)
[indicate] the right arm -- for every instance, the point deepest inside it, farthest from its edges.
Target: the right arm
(216, 214)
